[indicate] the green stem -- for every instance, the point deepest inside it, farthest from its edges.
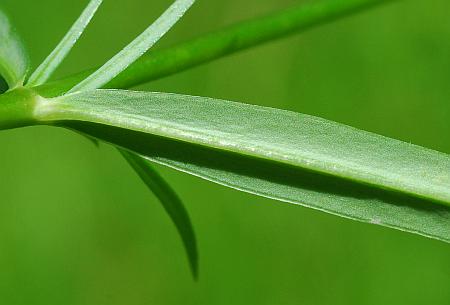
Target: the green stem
(161, 63)
(16, 108)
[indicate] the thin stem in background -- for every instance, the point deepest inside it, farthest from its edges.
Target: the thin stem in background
(136, 48)
(56, 57)
(161, 63)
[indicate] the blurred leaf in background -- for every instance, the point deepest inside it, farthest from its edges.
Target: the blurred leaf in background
(77, 227)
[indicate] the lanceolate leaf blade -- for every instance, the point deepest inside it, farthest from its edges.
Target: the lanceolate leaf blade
(273, 153)
(282, 136)
(171, 203)
(284, 183)
(136, 48)
(13, 58)
(52, 62)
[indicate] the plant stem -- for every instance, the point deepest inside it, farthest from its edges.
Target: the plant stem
(16, 108)
(161, 63)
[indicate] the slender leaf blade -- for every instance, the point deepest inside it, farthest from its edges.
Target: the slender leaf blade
(274, 153)
(171, 203)
(56, 57)
(13, 57)
(136, 48)
(282, 136)
(284, 183)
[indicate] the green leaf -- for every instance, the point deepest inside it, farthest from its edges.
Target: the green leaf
(274, 153)
(52, 62)
(278, 135)
(13, 58)
(284, 183)
(136, 48)
(171, 203)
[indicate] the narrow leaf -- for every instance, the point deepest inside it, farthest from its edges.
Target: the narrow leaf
(284, 183)
(136, 48)
(13, 58)
(278, 135)
(52, 62)
(171, 203)
(295, 145)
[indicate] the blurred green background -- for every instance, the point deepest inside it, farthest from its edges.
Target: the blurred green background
(78, 227)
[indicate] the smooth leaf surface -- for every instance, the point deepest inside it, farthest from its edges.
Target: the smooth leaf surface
(13, 58)
(274, 153)
(136, 48)
(171, 203)
(287, 137)
(52, 62)
(282, 182)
